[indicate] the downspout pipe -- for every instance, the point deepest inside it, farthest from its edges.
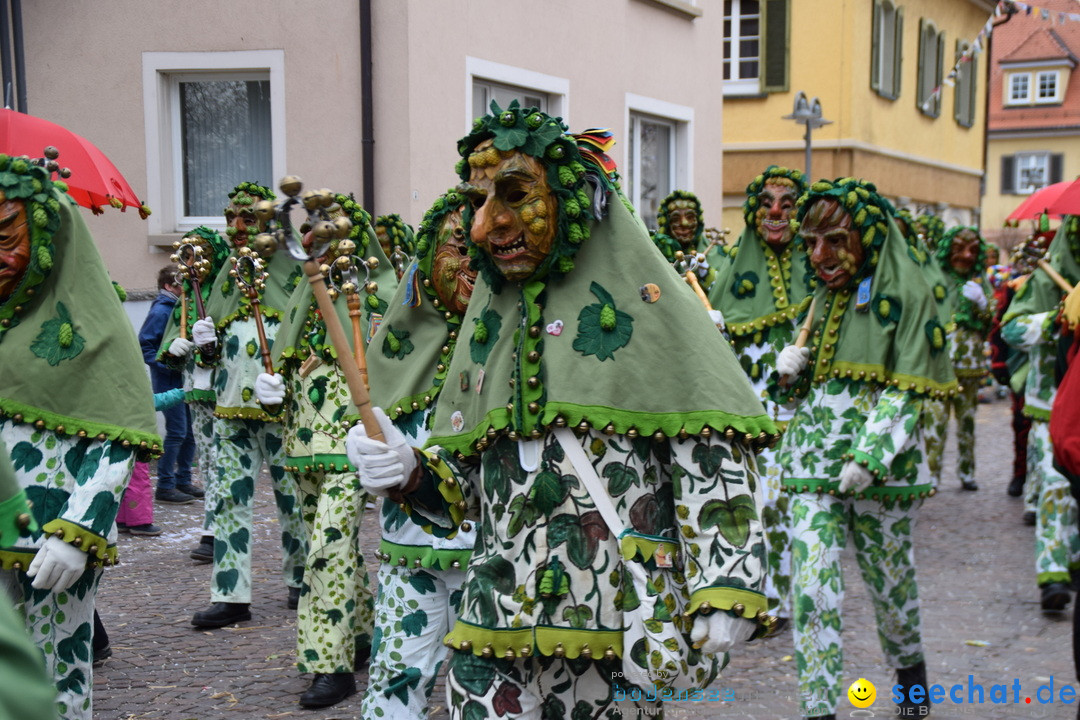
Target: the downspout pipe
(1010, 10)
(367, 111)
(5, 51)
(20, 54)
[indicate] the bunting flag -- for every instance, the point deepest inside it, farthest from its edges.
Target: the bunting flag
(976, 46)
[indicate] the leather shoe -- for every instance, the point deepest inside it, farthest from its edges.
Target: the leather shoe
(204, 551)
(193, 490)
(1055, 596)
(172, 496)
(328, 689)
(294, 598)
(906, 678)
(1029, 517)
(969, 485)
(221, 614)
(1016, 486)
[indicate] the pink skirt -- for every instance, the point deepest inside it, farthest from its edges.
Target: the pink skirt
(137, 505)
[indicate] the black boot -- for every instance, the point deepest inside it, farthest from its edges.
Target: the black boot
(328, 689)
(221, 614)
(362, 657)
(1055, 596)
(1016, 486)
(294, 598)
(204, 551)
(906, 678)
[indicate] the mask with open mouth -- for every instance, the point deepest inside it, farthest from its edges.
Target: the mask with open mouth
(834, 247)
(14, 245)
(776, 208)
(452, 274)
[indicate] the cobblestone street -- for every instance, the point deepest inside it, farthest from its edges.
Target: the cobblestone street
(976, 579)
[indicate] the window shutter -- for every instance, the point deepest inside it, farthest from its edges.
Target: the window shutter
(920, 84)
(938, 75)
(1007, 172)
(875, 48)
(1056, 160)
(898, 52)
(776, 28)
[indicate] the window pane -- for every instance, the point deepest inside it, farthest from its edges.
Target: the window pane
(748, 70)
(504, 95)
(751, 27)
(1031, 172)
(225, 132)
(655, 171)
(748, 49)
(1047, 85)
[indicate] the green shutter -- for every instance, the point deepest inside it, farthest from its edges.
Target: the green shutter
(920, 84)
(1056, 161)
(898, 52)
(1007, 171)
(939, 75)
(775, 34)
(875, 49)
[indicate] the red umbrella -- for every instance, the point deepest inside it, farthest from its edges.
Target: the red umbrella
(1038, 202)
(1068, 202)
(94, 182)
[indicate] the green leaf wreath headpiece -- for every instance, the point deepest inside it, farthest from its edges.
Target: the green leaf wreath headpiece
(869, 213)
(21, 179)
(941, 253)
(537, 134)
(400, 234)
(773, 172)
(663, 215)
(934, 228)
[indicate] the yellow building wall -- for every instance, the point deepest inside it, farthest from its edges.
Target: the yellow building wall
(888, 142)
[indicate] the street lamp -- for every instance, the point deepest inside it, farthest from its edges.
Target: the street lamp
(808, 113)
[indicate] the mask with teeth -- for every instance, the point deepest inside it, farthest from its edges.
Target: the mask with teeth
(776, 208)
(452, 274)
(834, 247)
(14, 245)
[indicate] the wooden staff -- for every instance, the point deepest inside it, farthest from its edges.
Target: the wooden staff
(1055, 275)
(183, 315)
(804, 331)
(353, 378)
(353, 300)
(251, 289)
(692, 281)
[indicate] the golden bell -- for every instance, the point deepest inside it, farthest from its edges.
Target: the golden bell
(342, 227)
(264, 244)
(323, 229)
(373, 262)
(342, 263)
(291, 185)
(326, 197)
(311, 200)
(348, 288)
(346, 247)
(372, 287)
(264, 210)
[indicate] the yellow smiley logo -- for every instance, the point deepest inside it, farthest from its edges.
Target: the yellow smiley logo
(862, 693)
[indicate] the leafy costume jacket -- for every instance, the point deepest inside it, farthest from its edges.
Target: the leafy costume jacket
(409, 362)
(877, 350)
(581, 350)
(761, 294)
(1031, 322)
(218, 250)
(239, 362)
(319, 407)
(74, 384)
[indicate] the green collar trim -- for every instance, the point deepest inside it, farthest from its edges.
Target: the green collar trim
(545, 640)
(874, 492)
(146, 445)
(200, 396)
(780, 317)
(244, 312)
(319, 462)
(245, 413)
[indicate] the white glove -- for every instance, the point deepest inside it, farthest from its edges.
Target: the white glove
(56, 565)
(719, 632)
(382, 466)
(973, 291)
(791, 361)
(270, 389)
(854, 477)
(717, 318)
(203, 331)
(181, 347)
(201, 378)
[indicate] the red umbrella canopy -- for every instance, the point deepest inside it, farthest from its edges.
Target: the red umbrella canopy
(94, 182)
(1068, 202)
(1038, 202)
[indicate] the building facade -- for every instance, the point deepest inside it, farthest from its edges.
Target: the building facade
(874, 65)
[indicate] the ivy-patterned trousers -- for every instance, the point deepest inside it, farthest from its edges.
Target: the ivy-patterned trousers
(882, 534)
(202, 427)
(777, 527)
(1057, 541)
(336, 605)
(542, 688)
(61, 624)
(935, 420)
(240, 448)
(962, 406)
(415, 610)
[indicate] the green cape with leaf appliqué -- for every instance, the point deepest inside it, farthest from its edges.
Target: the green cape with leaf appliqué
(1039, 293)
(893, 338)
(585, 346)
(755, 288)
(72, 361)
(303, 332)
(410, 353)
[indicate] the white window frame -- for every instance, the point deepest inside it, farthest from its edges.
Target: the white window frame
(739, 85)
(1010, 97)
(162, 72)
(556, 88)
(682, 156)
(1036, 90)
(1033, 159)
